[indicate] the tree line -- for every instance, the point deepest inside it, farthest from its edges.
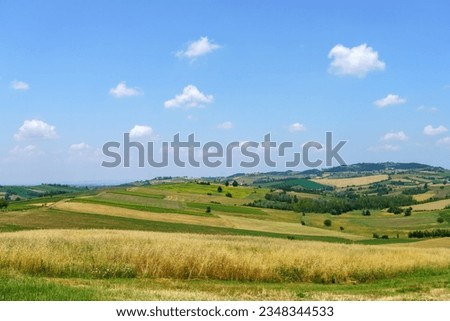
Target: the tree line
(333, 205)
(429, 234)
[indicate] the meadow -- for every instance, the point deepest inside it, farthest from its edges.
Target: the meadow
(190, 241)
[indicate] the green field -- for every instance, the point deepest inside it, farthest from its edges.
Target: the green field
(298, 184)
(227, 250)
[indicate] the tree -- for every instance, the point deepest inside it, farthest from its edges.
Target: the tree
(219, 189)
(227, 183)
(408, 211)
(208, 209)
(235, 183)
(3, 203)
(327, 222)
(395, 210)
(341, 228)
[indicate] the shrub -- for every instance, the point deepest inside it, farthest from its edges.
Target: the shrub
(219, 189)
(302, 222)
(327, 222)
(208, 209)
(395, 210)
(228, 194)
(365, 213)
(432, 233)
(408, 211)
(440, 220)
(375, 236)
(385, 237)
(3, 203)
(341, 228)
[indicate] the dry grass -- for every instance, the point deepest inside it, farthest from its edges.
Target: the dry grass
(353, 181)
(219, 220)
(283, 227)
(431, 243)
(129, 213)
(107, 254)
(432, 206)
(424, 196)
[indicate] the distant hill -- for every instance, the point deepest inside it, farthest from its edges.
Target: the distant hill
(376, 167)
(13, 193)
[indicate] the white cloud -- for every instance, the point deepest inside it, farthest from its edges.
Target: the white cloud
(79, 147)
(80, 150)
(19, 85)
(139, 131)
(427, 109)
(35, 129)
(389, 100)
(297, 127)
(27, 151)
(190, 97)
(395, 136)
(83, 152)
(444, 142)
(198, 48)
(225, 125)
(384, 148)
(432, 131)
(121, 90)
(356, 61)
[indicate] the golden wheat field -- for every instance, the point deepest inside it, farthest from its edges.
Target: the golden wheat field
(106, 254)
(424, 196)
(432, 206)
(353, 181)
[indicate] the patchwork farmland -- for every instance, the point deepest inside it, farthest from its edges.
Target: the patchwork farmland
(229, 239)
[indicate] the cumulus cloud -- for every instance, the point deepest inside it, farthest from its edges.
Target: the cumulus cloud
(395, 136)
(121, 90)
(36, 129)
(356, 61)
(384, 148)
(389, 100)
(79, 147)
(297, 127)
(27, 151)
(190, 97)
(198, 48)
(444, 142)
(432, 131)
(19, 85)
(225, 125)
(139, 131)
(83, 152)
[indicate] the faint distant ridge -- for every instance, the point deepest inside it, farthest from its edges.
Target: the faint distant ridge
(374, 167)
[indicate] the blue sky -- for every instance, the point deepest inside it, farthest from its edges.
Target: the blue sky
(77, 74)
